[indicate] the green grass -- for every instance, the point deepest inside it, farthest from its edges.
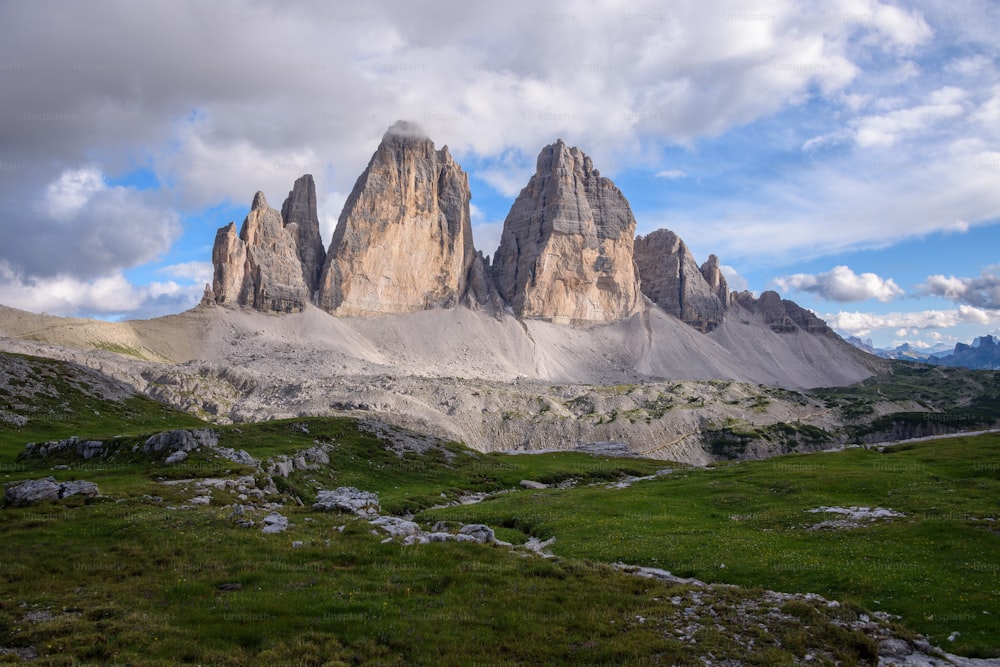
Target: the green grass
(67, 406)
(124, 580)
(938, 568)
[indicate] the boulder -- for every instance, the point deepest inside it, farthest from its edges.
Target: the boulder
(31, 491)
(479, 532)
(348, 499)
(274, 523)
(78, 488)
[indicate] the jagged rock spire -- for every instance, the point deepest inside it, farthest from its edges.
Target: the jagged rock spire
(566, 249)
(404, 239)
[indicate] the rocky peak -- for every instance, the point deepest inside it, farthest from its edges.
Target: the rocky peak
(782, 315)
(566, 249)
(299, 209)
(671, 279)
(404, 239)
(260, 268)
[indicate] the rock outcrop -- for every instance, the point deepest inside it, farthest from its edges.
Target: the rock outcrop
(261, 267)
(299, 210)
(782, 315)
(31, 491)
(566, 250)
(403, 242)
(672, 280)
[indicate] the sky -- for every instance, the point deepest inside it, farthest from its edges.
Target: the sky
(845, 153)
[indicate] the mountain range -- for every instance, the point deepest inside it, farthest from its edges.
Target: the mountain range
(403, 318)
(982, 354)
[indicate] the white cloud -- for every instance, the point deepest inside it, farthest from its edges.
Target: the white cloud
(106, 296)
(496, 82)
(65, 196)
(487, 236)
(944, 105)
(196, 272)
(981, 292)
(736, 282)
(862, 324)
(671, 174)
(843, 285)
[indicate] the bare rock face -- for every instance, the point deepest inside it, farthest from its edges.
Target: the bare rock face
(261, 267)
(784, 316)
(566, 250)
(672, 280)
(299, 209)
(404, 239)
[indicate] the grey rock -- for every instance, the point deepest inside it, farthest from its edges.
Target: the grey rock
(31, 491)
(782, 315)
(403, 242)
(672, 280)
(299, 210)
(395, 526)
(348, 499)
(85, 449)
(171, 441)
(260, 268)
(78, 488)
(274, 523)
(176, 457)
(566, 249)
(479, 532)
(894, 648)
(529, 484)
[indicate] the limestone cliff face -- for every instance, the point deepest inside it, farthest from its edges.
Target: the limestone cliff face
(566, 249)
(784, 316)
(299, 210)
(404, 239)
(672, 280)
(260, 268)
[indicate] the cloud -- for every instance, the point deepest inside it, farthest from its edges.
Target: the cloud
(216, 119)
(671, 174)
(107, 296)
(196, 272)
(80, 227)
(843, 285)
(66, 195)
(981, 292)
(736, 282)
(862, 324)
(487, 236)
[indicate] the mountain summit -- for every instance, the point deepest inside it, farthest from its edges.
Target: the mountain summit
(566, 250)
(404, 239)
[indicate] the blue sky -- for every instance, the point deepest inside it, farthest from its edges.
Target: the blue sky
(845, 153)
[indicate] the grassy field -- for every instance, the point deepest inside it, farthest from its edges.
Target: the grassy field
(142, 577)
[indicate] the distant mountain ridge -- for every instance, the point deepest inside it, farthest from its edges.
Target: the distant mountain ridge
(982, 354)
